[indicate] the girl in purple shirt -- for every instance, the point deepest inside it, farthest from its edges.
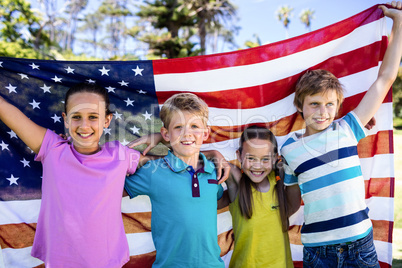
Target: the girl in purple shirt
(80, 222)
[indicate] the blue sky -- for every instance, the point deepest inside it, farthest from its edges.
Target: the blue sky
(257, 17)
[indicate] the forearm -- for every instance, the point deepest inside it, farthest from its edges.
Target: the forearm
(293, 198)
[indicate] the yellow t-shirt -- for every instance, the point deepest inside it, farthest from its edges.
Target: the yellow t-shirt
(259, 241)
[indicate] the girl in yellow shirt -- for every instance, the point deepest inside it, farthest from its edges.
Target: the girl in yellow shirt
(258, 204)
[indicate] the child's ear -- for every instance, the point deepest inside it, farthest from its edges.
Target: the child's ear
(165, 134)
(238, 155)
(108, 120)
(206, 133)
(65, 120)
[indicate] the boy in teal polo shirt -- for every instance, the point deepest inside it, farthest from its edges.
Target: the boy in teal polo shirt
(183, 189)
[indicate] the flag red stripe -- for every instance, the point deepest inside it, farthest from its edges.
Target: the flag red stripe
(266, 53)
(379, 187)
(256, 96)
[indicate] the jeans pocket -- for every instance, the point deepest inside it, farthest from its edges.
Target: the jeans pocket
(310, 256)
(367, 255)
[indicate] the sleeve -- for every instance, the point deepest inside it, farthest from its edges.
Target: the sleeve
(140, 182)
(355, 125)
(48, 142)
(134, 159)
(290, 177)
(220, 191)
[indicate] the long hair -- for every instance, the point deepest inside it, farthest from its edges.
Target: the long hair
(246, 184)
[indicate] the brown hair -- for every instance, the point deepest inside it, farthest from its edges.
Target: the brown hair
(88, 88)
(245, 183)
(186, 102)
(317, 81)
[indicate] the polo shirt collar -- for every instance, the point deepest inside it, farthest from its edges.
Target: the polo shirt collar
(178, 165)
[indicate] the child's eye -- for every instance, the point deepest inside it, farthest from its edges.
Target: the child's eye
(194, 126)
(93, 117)
(330, 104)
(267, 159)
(250, 158)
(177, 127)
(75, 117)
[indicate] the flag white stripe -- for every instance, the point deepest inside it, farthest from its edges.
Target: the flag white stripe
(17, 258)
(255, 74)
(354, 84)
(384, 251)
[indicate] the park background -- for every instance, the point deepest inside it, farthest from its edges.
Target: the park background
(132, 30)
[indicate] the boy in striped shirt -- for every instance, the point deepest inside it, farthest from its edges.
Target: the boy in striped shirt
(323, 165)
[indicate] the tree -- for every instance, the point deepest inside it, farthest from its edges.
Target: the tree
(21, 32)
(211, 17)
(172, 28)
(397, 94)
(91, 24)
(306, 16)
(73, 7)
(116, 11)
(283, 14)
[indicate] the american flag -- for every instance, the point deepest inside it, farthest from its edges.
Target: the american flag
(242, 88)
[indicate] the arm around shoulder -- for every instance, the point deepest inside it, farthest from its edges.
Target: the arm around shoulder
(28, 131)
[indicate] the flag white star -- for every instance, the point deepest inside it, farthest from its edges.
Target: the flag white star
(56, 118)
(134, 129)
(147, 115)
(107, 131)
(4, 146)
(23, 76)
(129, 102)
(34, 66)
(56, 79)
(69, 70)
(46, 88)
(13, 180)
(90, 81)
(1, 64)
(117, 115)
(123, 83)
(104, 71)
(137, 71)
(11, 88)
(34, 104)
(25, 162)
(142, 91)
(124, 142)
(110, 89)
(12, 134)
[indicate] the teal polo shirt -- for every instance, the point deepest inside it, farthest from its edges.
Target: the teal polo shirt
(184, 211)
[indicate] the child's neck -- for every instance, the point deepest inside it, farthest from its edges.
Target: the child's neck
(193, 160)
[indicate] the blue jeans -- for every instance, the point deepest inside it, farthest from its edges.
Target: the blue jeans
(360, 253)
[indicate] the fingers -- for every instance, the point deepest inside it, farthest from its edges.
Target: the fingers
(226, 172)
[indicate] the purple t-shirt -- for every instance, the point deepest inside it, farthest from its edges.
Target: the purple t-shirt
(80, 222)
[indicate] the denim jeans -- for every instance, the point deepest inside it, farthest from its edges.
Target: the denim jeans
(360, 253)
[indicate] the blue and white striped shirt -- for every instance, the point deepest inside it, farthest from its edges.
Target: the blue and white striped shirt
(327, 168)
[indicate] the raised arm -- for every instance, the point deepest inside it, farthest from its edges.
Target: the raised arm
(389, 68)
(29, 132)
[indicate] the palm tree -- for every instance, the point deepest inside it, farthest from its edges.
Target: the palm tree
(210, 15)
(283, 14)
(306, 16)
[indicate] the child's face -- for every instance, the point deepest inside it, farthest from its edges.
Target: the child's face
(85, 120)
(257, 159)
(186, 133)
(319, 110)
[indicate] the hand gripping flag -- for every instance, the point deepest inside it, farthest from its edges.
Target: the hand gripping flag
(242, 88)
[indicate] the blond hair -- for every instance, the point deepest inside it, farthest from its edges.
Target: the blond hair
(185, 102)
(317, 81)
